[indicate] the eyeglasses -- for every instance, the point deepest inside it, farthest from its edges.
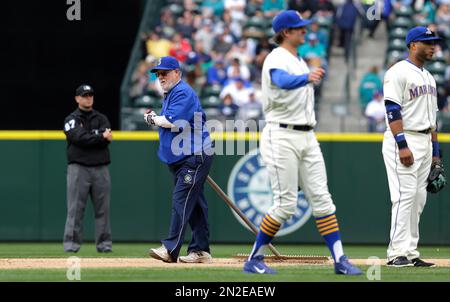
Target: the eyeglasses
(163, 73)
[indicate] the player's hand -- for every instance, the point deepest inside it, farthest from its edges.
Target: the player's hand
(107, 134)
(316, 75)
(148, 117)
(406, 157)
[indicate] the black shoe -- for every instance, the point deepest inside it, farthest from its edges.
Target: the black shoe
(420, 263)
(105, 251)
(400, 261)
(71, 251)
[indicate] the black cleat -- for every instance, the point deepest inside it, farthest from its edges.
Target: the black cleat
(420, 263)
(400, 261)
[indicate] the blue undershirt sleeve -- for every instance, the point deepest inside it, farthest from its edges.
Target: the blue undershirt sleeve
(284, 80)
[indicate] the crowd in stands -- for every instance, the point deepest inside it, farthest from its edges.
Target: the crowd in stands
(222, 44)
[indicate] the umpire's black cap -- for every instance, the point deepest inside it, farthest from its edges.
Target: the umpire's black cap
(84, 89)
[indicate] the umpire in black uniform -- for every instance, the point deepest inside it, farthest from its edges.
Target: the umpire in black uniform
(88, 136)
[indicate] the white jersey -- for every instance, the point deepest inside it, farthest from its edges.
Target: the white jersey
(415, 90)
(294, 106)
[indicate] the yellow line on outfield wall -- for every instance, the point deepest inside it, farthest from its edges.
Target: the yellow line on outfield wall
(153, 136)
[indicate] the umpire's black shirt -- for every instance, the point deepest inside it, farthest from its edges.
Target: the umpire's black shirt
(85, 142)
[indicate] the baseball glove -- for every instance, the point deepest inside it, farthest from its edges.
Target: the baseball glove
(436, 179)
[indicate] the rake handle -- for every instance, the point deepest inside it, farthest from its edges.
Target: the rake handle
(238, 211)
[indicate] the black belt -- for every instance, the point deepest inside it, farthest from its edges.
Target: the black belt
(426, 131)
(297, 127)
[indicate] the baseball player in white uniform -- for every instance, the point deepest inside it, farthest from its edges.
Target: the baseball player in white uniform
(289, 147)
(410, 144)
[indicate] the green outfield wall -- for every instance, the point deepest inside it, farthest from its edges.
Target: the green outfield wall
(33, 191)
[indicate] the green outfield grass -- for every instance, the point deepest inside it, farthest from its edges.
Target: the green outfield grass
(314, 273)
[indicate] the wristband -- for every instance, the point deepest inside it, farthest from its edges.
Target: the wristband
(436, 149)
(401, 140)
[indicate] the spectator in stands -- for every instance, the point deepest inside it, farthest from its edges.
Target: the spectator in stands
(443, 20)
(252, 110)
(205, 35)
(185, 25)
(238, 91)
(385, 13)
(346, 18)
(236, 9)
(139, 80)
(217, 6)
(313, 48)
(238, 70)
(256, 67)
(227, 23)
(228, 109)
(375, 113)
(399, 3)
(426, 11)
(167, 24)
(272, 7)
(181, 47)
(322, 35)
(216, 74)
(240, 51)
(223, 43)
(312, 7)
(157, 46)
(369, 84)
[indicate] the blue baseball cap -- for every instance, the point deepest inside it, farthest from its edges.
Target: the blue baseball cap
(166, 63)
(288, 19)
(420, 33)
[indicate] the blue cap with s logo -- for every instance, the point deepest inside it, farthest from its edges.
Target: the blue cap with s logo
(288, 19)
(166, 63)
(420, 33)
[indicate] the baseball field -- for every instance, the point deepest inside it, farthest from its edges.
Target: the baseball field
(130, 262)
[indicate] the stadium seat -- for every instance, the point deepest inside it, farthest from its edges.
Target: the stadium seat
(403, 11)
(146, 101)
(269, 32)
(436, 67)
(421, 22)
(398, 33)
(176, 9)
(210, 102)
(439, 78)
(397, 44)
(211, 90)
(325, 22)
(256, 21)
(403, 22)
(395, 56)
(254, 32)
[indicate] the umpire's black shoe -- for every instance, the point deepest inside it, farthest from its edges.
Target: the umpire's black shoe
(420, 263)
(400, 261)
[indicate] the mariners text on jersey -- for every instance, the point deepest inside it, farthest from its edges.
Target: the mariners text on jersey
(422, 90)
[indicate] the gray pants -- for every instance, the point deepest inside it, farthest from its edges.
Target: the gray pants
(83, 181)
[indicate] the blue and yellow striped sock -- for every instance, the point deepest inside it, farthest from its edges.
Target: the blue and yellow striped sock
(329, 229)
(269, 227)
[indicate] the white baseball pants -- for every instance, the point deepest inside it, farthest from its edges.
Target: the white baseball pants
(407, 186)
(294, 159)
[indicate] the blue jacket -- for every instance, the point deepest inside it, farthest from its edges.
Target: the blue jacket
(182, 108)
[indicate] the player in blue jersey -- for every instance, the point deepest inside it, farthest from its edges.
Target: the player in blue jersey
(185, 146)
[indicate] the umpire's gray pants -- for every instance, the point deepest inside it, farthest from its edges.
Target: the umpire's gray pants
(83, 181)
